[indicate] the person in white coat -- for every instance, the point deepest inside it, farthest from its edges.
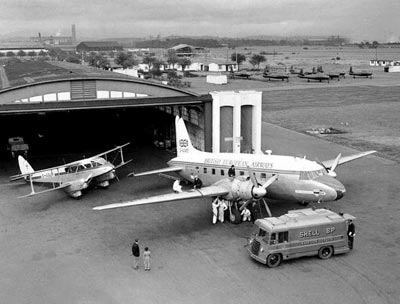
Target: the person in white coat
(177, 187)
(246, 214)
(215, 205)
(221, 211)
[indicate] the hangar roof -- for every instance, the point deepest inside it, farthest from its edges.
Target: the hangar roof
(29, 72)
(42, 85)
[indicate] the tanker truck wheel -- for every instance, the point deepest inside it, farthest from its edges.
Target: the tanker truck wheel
(274, 260)
(325, 252)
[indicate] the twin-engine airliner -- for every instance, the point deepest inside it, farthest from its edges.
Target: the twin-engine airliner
(257, 176)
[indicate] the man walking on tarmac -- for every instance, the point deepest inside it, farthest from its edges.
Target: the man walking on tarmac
(351, 232)
(136, 254)
(215, 206)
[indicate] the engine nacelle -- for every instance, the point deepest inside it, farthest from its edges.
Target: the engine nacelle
(242, 188)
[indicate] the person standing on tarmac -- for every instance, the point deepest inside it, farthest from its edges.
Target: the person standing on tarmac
(351, 233)
(215, 206)
(146, 258)
(136, 254)
(246, 214)
(221, 210)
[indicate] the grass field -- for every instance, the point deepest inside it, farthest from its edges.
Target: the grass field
(369, 116)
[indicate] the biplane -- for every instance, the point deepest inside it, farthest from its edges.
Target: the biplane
(75, 176)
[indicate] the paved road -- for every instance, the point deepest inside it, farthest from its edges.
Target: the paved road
(57, 250)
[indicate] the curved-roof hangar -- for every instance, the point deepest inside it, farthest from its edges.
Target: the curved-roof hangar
(92, 92)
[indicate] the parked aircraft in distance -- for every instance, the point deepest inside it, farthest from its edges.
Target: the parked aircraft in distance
(333, 75)
(75, 176)
(240, 75)
(280, 76)
(258, 176)
(278, 72)
(360, 73)
(314, 76)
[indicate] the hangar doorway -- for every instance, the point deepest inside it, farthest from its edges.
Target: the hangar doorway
(88, 131)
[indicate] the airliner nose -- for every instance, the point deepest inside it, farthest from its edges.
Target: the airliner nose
(340, 194)
(334, 184)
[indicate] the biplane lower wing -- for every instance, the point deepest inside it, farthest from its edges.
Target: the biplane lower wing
(60, 187)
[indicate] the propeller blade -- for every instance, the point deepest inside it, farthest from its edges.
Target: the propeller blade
(267, 208)
(252, 176)
(245, 204)
(270, 181)
(335, 163)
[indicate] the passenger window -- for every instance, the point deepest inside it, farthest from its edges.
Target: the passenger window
(273, 239)
(283, 236)
(263, 175)
(213, 171)
(222, 172)
(241, 172)
(205, 170)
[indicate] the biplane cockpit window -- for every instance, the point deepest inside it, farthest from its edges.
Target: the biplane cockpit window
(95, 164)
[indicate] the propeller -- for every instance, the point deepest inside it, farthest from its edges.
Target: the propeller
(335, 163)
(331, 169)
(259, 191)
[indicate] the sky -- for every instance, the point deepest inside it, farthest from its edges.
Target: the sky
(358, 20)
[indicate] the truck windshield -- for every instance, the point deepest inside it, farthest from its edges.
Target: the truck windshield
(264, 234)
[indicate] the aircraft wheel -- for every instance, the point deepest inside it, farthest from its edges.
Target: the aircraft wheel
(274, 260)
(234, 217)
(325, 252)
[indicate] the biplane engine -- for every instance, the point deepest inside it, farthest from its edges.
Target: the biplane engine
(76, 187)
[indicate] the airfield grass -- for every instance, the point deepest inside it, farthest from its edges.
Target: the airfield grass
(367, 116)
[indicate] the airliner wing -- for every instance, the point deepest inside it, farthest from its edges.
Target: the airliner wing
(198, 193)
(158, 171)
(344, 159)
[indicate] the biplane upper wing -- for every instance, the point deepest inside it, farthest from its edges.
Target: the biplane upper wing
(109, 151)
(198, 193)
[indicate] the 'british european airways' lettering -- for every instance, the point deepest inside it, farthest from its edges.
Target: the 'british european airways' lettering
(238, 163)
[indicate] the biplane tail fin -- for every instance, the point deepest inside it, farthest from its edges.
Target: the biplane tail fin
(183, 142)
(24, 166)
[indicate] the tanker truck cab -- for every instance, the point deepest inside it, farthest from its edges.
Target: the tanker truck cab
(299, 233)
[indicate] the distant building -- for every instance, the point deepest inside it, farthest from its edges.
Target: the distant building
(185, 50)
(7, 48)
(56, 40)
(98, 46)
(205, 66)
(381, 62)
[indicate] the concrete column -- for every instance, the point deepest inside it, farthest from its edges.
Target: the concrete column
(237, 100)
